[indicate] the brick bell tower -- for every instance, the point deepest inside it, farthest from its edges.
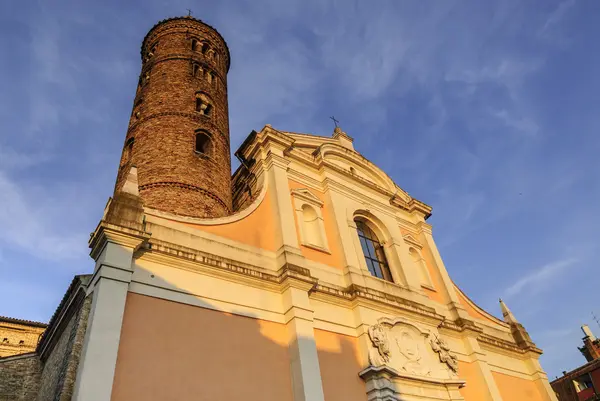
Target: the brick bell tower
(178, 135)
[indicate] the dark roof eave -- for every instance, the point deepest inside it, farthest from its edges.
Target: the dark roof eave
(23, 322)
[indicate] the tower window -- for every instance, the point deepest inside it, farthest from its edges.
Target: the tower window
(128, 151)
(373, 251)
(203, 142)
(196, 70)
(203, 105)
(204, 48)
(194, 45)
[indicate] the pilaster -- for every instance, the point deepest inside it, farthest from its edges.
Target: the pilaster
(304, 360)
(113, 251)
(454, 303)
(408, 275)
(479, 358)
(540, 377)
(286, 237)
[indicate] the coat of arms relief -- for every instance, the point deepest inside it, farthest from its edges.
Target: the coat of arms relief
(408, 349)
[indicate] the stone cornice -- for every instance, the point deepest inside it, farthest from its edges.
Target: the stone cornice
(409, 239)
(299, 277)
(275, 160)
(307, 196)
(121, 235)
(217, 266)
(356, 293)
(506, 345)
(387, 372)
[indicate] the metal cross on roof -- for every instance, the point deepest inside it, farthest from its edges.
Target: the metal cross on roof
(334, 121)
(189, 12)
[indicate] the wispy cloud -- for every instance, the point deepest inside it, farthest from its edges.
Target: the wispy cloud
(38, 223)
(522, 124)
(557, 15)
(539, 278)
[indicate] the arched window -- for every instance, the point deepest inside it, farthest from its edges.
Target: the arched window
(197, 70)
(203, 105)
(128, 150)
(373, 251)
(204, 48)
(194, 45)
(311, 226)
(203, 143)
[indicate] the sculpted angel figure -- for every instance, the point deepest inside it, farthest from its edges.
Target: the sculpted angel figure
(381, 354)
(440, 346)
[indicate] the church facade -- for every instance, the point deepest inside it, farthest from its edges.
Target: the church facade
(308, 275)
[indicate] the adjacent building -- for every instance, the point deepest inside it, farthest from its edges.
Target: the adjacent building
(19, 336)
(583, 383)
(307, 275)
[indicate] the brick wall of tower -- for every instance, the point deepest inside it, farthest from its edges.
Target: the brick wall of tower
(172, 176)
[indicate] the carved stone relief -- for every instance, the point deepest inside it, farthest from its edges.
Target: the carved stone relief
(380, 354)
(409, 349)
(408, 362)
(440, 346)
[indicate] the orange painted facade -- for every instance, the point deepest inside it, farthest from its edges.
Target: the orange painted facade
(339, 363)
(516, 389)
(437, 295)
(473, 310)
(257, 229)
(476, 388)
(335, 256)
(171, 351)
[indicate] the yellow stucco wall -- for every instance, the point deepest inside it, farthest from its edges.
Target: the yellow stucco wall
(339, 364)
(257, 229)
(476, 388)
(437, 295)
(335, 256)
(473, 311)
(172, 351)
(516, 389)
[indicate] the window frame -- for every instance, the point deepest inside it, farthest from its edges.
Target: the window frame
(373, 251)
(208, 144)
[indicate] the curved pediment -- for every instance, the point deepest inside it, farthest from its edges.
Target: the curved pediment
(360, 167)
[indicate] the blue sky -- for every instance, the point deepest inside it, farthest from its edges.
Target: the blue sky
(488, 111)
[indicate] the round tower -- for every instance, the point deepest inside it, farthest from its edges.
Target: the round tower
(178, 135)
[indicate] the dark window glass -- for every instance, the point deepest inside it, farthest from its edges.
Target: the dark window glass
(373, 251)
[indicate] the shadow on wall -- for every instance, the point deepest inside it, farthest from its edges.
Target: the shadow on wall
(176, 351)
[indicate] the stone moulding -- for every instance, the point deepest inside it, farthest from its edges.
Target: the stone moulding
(384, 383)
(352, 293)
